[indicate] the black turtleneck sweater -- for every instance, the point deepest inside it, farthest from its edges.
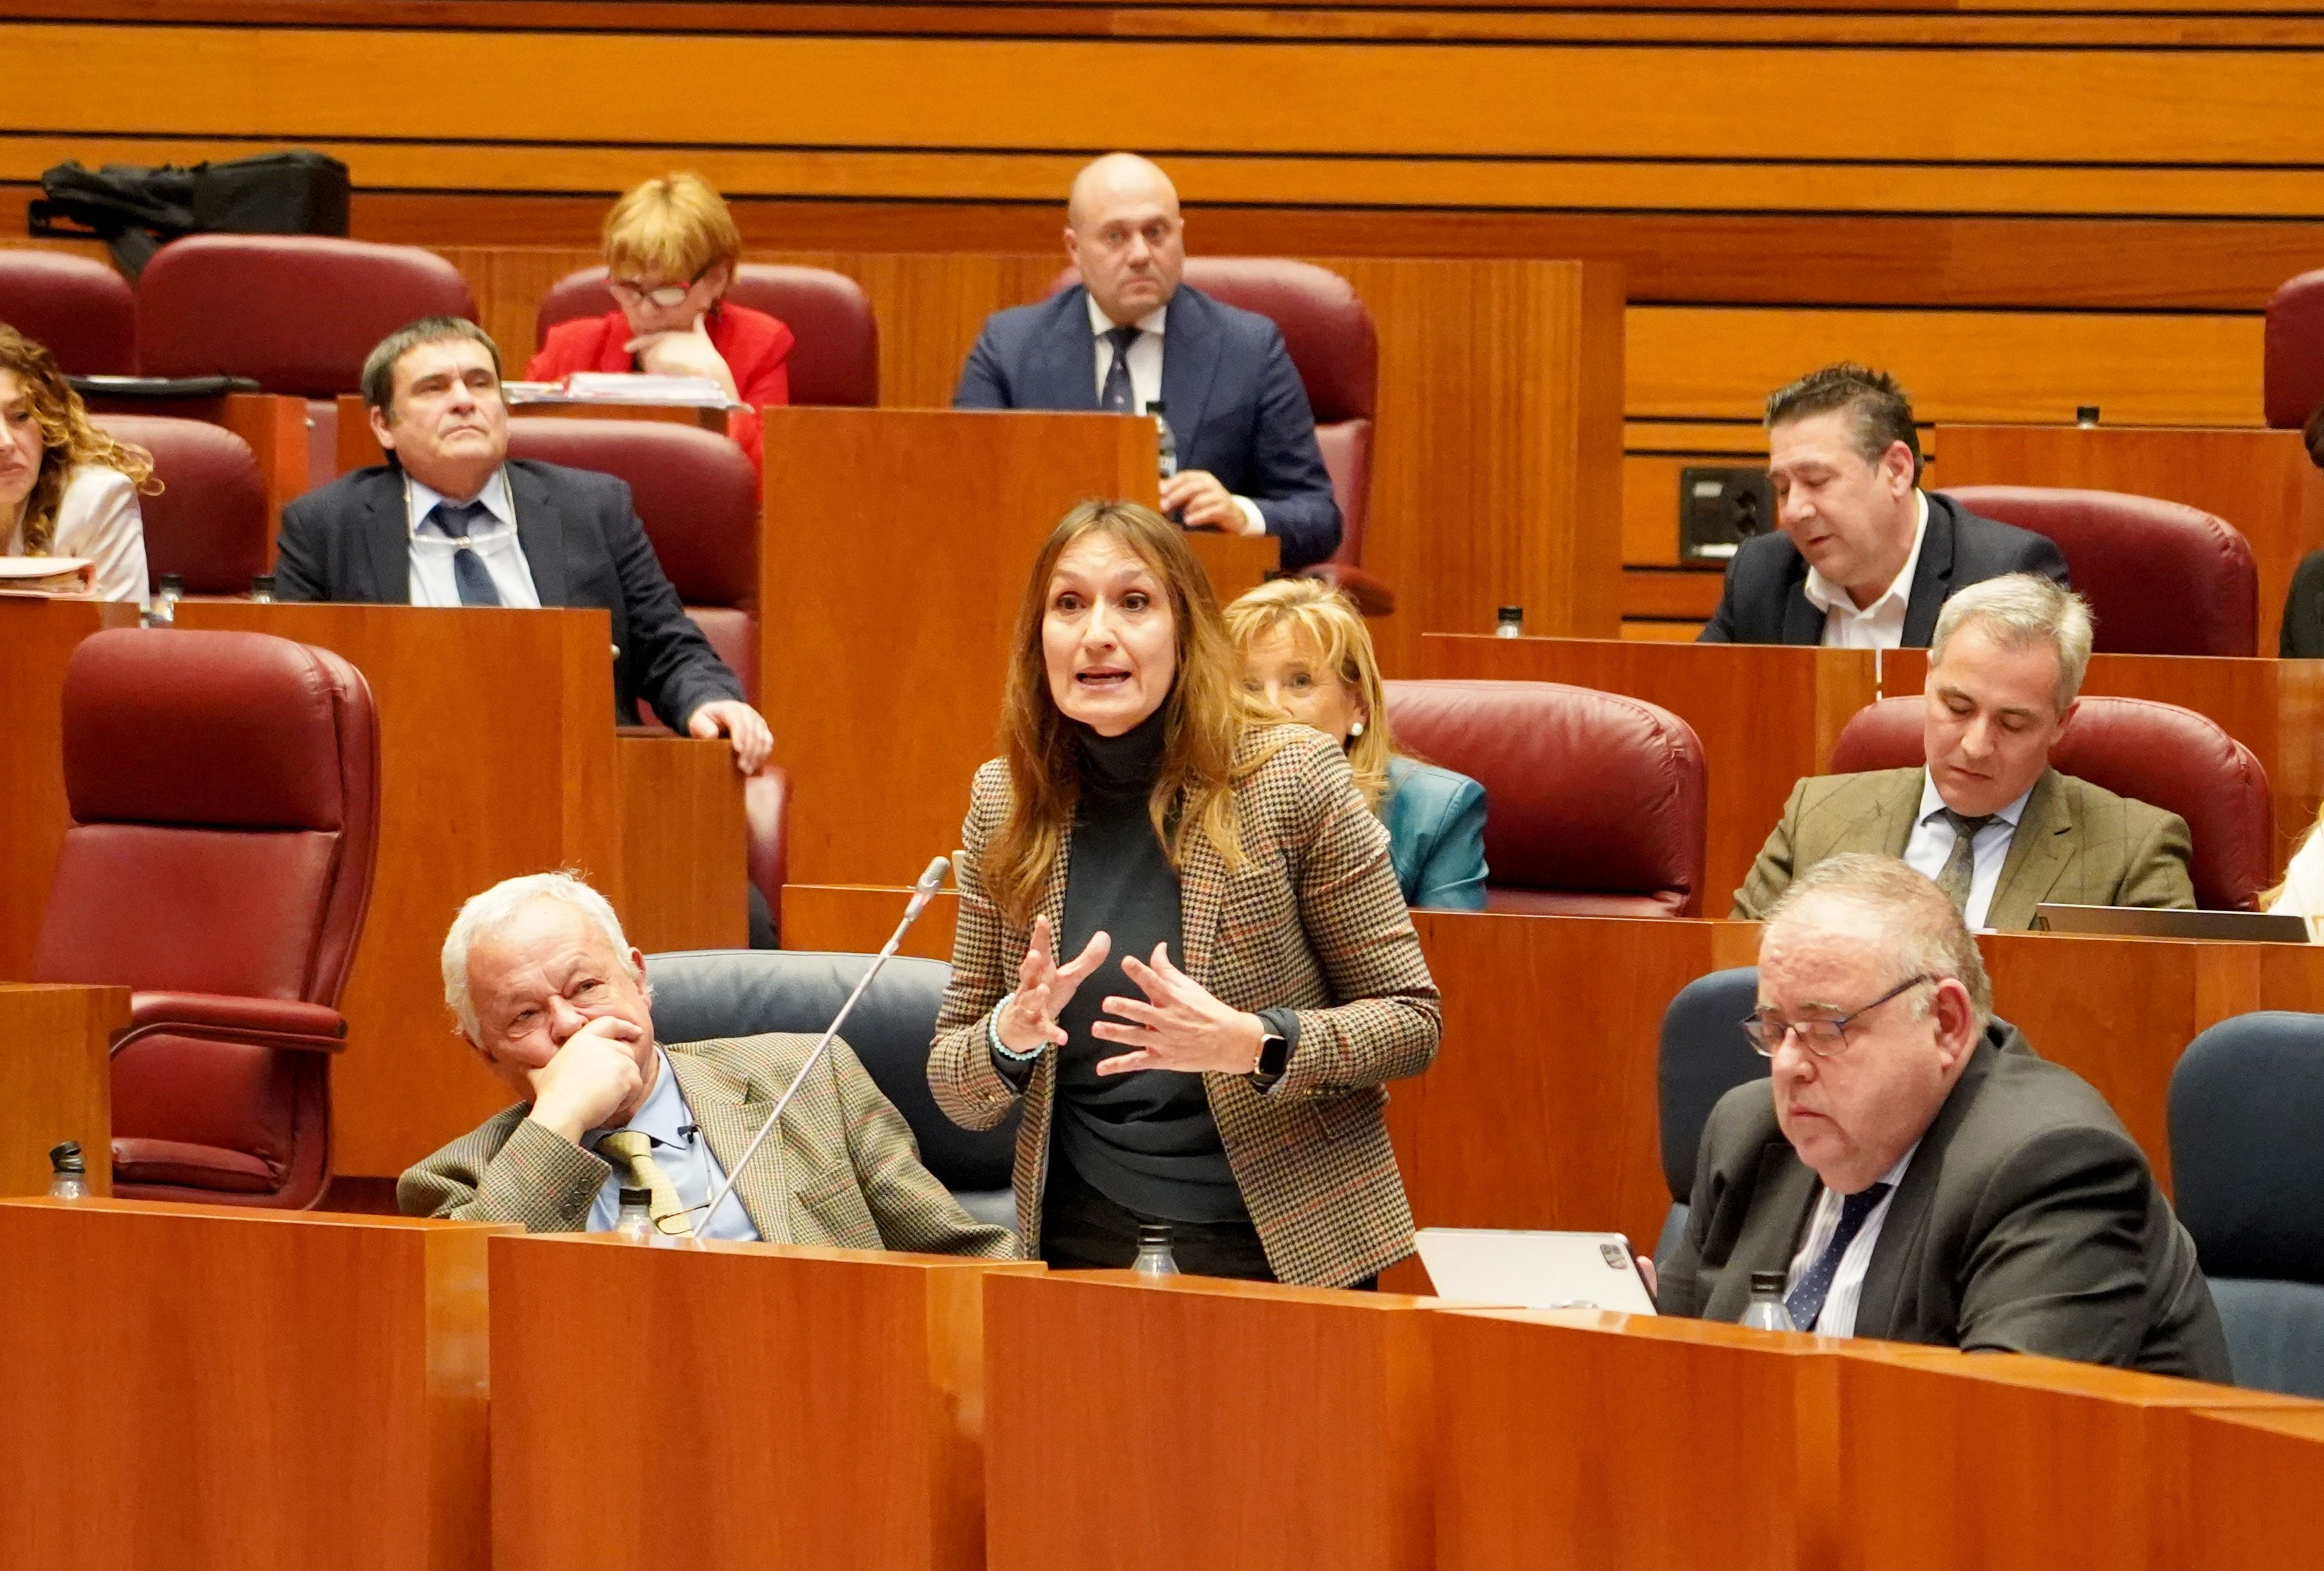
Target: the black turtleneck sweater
(1145, 1140)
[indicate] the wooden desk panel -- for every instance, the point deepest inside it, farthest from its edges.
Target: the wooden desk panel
(831, 1403)
(210, 1389)
(685, 862)
(1568, 1438)
(2260, 481)
(56, 1080)
(1225, 1425)
(2253, 1482)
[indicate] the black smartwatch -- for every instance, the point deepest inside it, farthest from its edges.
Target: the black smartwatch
(1274, 1058)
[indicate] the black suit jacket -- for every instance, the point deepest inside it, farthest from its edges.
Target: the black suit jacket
(1767, 596)
(2027, 1223)
(1233, 399)
(351, 541)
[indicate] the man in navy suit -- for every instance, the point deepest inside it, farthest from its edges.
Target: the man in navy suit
(1130, 336)
(1863, 557)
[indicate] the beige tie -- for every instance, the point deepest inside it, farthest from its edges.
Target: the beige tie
(634, 1151)
(1960, 868)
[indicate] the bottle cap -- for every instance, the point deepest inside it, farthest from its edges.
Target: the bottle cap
(1509, 614)
(173, 582)
(637, 1196)
(1767, 1282)
(1153, 1237)
(263, 584)
(66, 1157)
(2087, 414)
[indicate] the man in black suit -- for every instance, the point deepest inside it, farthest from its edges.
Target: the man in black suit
(1863, 557)
(1130, 336)
(451, 520)
(1912, 1172)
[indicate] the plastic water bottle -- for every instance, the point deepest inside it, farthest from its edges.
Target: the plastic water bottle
(1508, 622)
(1166, 441)
(165, 601)
(635, 1223)
(69, 1173)
(262, 589)
(1154, 1257)
(1766, 1311)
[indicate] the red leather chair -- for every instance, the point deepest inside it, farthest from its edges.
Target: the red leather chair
(225, 791)
(1329, 335)
(2162, 577)
(2293, 355)
(82, 312)
(1596, 804)
(296, 313)
(2158, 753)
(209, 524)
(836, 359)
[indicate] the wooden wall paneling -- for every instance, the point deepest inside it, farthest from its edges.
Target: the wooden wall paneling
(214, 1389)
(2251, 1475)
(685, 861)
(856, 919)
(56, 1080)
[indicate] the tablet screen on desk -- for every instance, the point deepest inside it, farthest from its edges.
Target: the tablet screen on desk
(1537, 1270)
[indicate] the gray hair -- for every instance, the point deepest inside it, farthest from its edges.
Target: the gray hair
(486, 913)
(1916, 926)
(379, 366)
(2018, 611)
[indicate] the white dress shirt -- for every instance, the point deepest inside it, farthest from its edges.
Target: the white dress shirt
(1881, 624)
(1931, 847)
(433, 580)
(98, 518)
(1838, 1317)
(1146, 380)
(679, 1150)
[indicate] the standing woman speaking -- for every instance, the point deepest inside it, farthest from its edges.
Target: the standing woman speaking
(1181, 941)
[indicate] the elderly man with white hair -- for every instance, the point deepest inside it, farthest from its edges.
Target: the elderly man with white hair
(553, 998)
(1911, 1170)
(1985, 815)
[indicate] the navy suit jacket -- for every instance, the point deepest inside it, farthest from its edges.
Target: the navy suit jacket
(1767, 596)
(351, 541)
(1233, 399)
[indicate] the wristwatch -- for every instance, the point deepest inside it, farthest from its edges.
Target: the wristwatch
(1274, 1058)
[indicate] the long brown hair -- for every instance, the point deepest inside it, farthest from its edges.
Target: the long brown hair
(1328, 628)
(1207, 716)
(67, 437)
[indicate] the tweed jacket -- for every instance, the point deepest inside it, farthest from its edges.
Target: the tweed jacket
(843, 1171)
(2076, 844)
(1314, 921)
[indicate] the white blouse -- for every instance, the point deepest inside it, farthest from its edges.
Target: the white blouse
(2303, 887)
(98, 518)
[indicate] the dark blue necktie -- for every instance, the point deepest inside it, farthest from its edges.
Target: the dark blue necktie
(1119, 396)
(1806, 1299)
(469, 569)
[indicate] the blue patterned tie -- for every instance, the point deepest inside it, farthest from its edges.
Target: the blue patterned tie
(1806, 1299)
(1118, 396)
(469, 569)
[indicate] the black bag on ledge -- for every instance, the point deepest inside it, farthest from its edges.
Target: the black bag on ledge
(135, 210)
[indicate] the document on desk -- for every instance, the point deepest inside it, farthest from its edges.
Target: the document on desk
(1535, 1271)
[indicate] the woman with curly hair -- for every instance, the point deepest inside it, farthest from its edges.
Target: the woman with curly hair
(67, 489)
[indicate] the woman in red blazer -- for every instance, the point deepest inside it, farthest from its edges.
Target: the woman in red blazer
(672, 248)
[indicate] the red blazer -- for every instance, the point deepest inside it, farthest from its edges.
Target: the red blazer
(753, 344)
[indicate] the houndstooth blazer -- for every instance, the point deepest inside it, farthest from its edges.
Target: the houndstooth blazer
(843, 1171)
(1315, 922)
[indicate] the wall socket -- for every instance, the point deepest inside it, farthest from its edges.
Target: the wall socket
(1720, 509)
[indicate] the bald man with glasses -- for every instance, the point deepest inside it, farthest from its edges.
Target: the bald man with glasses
(1913, 1170)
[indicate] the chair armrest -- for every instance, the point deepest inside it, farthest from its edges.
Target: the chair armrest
(269, 1023)
(1372, 596)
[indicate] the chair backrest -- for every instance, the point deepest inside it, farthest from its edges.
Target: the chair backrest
(82, 312)
(1703, 1056)
(296, 313)
(2292, 355)
(1329, 335)
(207, 524)
(703, 995)
(698, 498)
(834, 356)
(2246, 1100)
(2158, 753)
(2162, 577)
(1595, 803)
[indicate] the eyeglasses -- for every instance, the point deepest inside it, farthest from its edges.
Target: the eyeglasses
(1822, 1038)
(665, 296)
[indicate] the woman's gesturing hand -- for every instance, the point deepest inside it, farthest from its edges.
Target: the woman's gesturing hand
(1178, 1026)
(1043, 988)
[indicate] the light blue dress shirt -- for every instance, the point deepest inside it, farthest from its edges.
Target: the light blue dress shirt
(433, 581)
(1931, 847)
(679, 1151)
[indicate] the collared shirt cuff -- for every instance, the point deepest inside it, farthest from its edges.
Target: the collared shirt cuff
(1254, 521)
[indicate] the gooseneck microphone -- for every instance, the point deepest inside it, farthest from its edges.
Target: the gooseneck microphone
(922, 892)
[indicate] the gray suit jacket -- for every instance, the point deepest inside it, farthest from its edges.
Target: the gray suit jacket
(843, 1170)
(2076, 844)
(2028, 1223)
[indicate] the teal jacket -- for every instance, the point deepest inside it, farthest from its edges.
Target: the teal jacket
(1436, 836)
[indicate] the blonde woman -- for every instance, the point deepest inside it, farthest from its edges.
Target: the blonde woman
(1305, 651)
(672, 248)
(67, 489)
(1181, 947)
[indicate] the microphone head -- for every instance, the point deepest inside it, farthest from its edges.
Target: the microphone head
(932, 878)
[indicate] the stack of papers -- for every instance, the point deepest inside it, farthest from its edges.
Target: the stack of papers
(622, 387)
